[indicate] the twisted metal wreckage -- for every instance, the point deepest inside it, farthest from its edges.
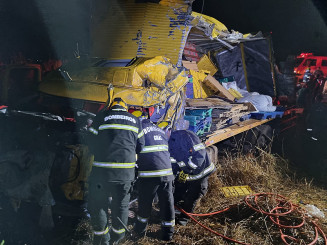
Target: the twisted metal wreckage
(53, 156)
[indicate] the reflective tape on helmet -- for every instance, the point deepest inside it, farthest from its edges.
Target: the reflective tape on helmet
(120, 231)
(118, 109)
(168, 223)
(142, 220)
(114, 164)
(119, 126)
(154, 148)
(207, 170)
(156, 173)
(99, 233)
(198, 147)
(93, 130)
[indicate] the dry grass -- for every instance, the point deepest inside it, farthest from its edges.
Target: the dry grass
(263, 173)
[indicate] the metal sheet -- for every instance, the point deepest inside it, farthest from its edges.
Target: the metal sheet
(124, 31)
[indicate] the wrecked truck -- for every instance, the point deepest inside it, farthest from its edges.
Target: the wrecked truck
(147, 63)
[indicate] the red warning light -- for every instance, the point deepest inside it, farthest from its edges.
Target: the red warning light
(302, 55)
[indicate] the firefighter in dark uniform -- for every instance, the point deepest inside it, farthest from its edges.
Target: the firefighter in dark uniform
(155, 176)
(118, 137)
(192, 167)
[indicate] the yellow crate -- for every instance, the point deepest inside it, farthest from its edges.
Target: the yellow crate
(235, 191)
(206, 64)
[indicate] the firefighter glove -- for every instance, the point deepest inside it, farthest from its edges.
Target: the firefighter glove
(182, 177)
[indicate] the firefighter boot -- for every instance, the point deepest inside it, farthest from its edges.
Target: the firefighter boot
(140, 228)
(182, 220)
(167, 233)
(101, 239)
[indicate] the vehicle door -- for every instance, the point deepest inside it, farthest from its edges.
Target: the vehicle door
(311, 63)
(323, 65)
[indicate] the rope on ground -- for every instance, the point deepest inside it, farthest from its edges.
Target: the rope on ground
(283, 210)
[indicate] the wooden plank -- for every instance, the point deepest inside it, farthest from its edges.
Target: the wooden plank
(239, 107)
(207, 103)
(191, 65)
(233, 130)
(213, 84)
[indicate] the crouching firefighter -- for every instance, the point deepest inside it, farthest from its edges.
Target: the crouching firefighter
(192, 167)
(118, 137)
(155, 176)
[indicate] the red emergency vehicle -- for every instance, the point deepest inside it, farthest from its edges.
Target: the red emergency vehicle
(308, 60)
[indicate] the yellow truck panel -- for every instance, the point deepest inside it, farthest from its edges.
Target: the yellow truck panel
(146, 83)
(124, 31)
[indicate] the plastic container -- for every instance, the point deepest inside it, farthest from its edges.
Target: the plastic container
(199, 112)
(193, 120)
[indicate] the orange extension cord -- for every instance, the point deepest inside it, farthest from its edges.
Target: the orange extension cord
(252, 201)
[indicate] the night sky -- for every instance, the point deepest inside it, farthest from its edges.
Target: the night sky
(40, 29)
(295, 25)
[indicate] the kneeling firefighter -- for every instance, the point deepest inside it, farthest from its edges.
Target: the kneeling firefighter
(155, 176)
(117, 138)
(192, 167)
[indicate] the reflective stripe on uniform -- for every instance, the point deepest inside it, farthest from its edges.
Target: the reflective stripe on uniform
(198, 147)
(120, 231)
(173, 160)
(168, 223)
(99, 233)
(191, 164)
(93, 130)
(114, 164)
(181, 164)
(154, 148)
(140, 134)
(143, 220)
(156, 173)
(207, 170)
(119, 126)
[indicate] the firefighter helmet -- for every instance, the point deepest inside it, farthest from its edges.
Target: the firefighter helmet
(140, 114)
(163, 124)
(137, 113)
(119, 101)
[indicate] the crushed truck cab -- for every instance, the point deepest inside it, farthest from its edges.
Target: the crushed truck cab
(143, 82)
